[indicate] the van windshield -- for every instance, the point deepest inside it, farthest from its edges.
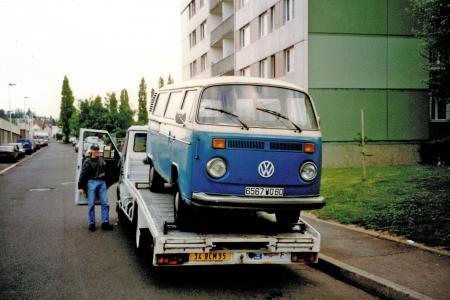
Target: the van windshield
(251, 102)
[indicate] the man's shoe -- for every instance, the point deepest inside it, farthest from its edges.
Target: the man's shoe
(107, 226)
(92, 227)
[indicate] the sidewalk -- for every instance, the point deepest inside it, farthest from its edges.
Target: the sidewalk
(416, 269)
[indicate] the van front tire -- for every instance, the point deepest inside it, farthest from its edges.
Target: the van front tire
(287, 217)
(181, 209)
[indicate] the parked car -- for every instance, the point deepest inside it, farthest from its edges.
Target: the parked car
(9, 152)
(236, 143)
(43, 142)
(27, 145)
(21, 149)
(37, 144)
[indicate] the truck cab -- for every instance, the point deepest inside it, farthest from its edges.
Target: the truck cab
(133, 167)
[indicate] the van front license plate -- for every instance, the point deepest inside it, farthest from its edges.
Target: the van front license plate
(211, 256)
(264, 191)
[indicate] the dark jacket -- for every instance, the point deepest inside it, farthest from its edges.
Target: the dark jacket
(93, 168)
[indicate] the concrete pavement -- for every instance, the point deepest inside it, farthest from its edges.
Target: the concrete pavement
(418, 270)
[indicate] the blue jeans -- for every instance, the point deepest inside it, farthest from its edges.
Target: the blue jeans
(94, 185)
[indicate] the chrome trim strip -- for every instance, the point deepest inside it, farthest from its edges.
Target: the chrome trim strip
(217, 199)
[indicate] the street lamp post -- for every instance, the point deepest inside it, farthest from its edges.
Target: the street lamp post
(10, 85)
(24, 114)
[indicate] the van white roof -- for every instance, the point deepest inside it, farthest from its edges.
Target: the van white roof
(231, 80)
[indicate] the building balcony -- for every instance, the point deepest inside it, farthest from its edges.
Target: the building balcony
(223, 30)
(215, 6)
(223, 66)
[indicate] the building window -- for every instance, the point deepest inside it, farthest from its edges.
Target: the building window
(440, 110)
(272, 18)
(245, 71)
(272, 67)
(203, 30)
(193, 68)
(242, 3)
(288, 10)
(263, 24)
(193, 38)
(263, 69)
(201, 3)
(192, 9)
(244, 36)
(203, 62)
(289, 60)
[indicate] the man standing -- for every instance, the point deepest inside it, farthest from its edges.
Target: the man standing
(92, 182)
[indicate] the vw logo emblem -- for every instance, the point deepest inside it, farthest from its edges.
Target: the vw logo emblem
(266, 169)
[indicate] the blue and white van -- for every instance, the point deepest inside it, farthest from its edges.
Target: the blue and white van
(236, 143)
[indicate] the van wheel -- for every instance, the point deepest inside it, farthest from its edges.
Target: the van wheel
(287, 217)
(155, 181)
(180, 208)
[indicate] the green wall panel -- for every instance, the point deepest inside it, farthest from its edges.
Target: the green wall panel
(408, 115)
(348, 16)
(405, 63)
(340, 113)
(346, 61)
(400, 21)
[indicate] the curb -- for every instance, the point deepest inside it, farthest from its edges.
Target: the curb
(380, 235)
(368, 282)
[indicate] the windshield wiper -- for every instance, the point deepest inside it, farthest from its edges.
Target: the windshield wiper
(277, 114)
(229, 114)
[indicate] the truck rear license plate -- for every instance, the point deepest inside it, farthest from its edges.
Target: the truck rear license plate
(211, 256)
(264, 191)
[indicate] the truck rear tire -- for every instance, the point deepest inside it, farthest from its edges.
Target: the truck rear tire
(287, 217)
(155, 181)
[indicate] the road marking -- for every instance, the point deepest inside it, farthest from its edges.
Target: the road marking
(68, 183)
(44, 189)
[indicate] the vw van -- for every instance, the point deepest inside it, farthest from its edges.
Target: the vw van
(236, 143)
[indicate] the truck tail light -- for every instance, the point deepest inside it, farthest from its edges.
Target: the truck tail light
(303, 257)
(171, 260)
(309, 148)
(218, 143)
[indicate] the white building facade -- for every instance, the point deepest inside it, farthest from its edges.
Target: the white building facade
(263, 38)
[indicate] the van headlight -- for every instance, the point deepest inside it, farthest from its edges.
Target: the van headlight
(216, 167)
(308, 171)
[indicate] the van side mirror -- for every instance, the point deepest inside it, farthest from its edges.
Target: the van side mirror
(180, 117)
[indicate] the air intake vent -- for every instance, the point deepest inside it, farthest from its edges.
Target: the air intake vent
(286, 146)
(240, 144)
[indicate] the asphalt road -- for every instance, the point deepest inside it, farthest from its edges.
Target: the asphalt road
(47, 251)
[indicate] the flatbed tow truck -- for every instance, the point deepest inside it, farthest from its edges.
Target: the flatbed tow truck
(221, 238)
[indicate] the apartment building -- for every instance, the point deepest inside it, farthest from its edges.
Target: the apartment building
(350, 55)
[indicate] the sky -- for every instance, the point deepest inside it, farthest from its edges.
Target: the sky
(102, 46)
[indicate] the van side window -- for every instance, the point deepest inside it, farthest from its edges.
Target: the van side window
(160, 105)
(174, 104)
(187, 103)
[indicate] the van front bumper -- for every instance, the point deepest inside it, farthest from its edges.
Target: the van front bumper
(257, 203)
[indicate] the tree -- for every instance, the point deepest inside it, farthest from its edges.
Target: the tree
(169, 79)
(66, 108)
(125, 111)
(111, 103)
(160, 82)
(433, 27)
(142, 103)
